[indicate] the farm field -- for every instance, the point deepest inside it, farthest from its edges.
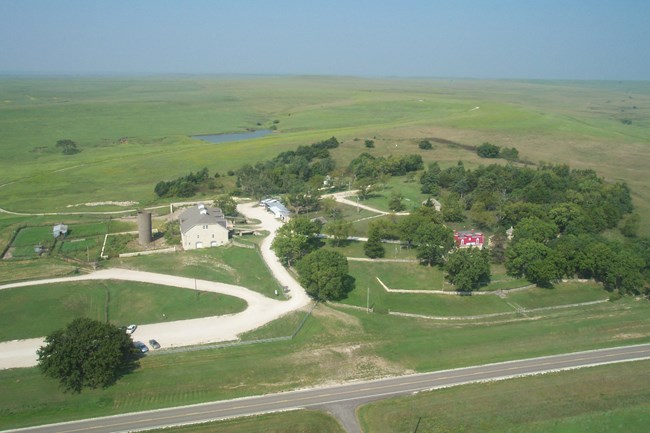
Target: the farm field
(36, 311)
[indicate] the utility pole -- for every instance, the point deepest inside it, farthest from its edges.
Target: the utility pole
(368, 300)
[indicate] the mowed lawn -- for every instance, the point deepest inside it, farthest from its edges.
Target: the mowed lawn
(561, 294)
(229, 264)
(36, 311)
(413, 276)
(604, 399)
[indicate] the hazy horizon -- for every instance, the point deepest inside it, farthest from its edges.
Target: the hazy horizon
(502, 39)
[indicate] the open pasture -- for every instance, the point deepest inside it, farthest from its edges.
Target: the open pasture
(580, 123)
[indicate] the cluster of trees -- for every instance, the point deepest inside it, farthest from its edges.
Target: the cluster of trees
(489, 150)
(367, 166)
(542, 255)
(184, 186)
(323, 273)
(422, 229)
(577, 201)
(293, 172)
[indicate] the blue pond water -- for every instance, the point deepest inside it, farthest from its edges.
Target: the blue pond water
(224, 138)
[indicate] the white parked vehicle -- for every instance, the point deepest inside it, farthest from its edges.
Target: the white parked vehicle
(131, 329)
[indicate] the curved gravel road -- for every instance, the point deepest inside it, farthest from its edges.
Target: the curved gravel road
(260, 310)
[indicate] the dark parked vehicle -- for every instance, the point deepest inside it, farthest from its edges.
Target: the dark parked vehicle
(141, 346)
(154, 344)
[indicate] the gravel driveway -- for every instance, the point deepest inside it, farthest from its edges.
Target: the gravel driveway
(260, 310)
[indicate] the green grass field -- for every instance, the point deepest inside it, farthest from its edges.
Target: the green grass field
(574, 122)
(36, 311)
(412, 276)
(557, 402)
(580, 123)
(355, 249)
(300, 421)
(231, 265)
(333, 346)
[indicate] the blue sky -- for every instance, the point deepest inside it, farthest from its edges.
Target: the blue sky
(596, 39)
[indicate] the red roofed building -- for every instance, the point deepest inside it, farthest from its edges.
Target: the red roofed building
(466, 239)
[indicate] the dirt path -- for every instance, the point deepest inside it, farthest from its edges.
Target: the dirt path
(341, 197)
(260, 310)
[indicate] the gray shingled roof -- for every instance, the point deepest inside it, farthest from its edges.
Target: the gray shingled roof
(193, 217)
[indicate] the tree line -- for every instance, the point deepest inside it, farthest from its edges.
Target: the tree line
(184, 186)
(577, 201)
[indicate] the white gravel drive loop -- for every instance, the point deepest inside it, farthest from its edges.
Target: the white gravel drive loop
(260, 311)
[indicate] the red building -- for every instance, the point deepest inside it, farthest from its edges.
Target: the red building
(466, 239)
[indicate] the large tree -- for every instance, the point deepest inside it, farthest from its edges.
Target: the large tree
(295, 239)
(534, 261)
(374, 248)
(87, 353)
(68, 147)
(324, 275)
(535, 229)
(468, 268)
(339, 229)
(433, 242)
(227, 204)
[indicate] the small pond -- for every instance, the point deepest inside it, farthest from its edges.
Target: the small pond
(237, 136)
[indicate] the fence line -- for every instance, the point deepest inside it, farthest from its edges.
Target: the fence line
(242, 343)
(149, 252)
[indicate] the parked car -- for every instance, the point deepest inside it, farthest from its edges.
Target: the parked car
(154, 344)
(131, 329)
(141, 346)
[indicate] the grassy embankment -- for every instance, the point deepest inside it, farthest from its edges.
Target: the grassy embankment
(299, 421)
(604, 399)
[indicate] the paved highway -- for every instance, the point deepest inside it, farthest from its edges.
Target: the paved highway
(352, 393)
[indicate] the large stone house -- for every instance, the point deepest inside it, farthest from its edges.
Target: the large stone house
(203, 227)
